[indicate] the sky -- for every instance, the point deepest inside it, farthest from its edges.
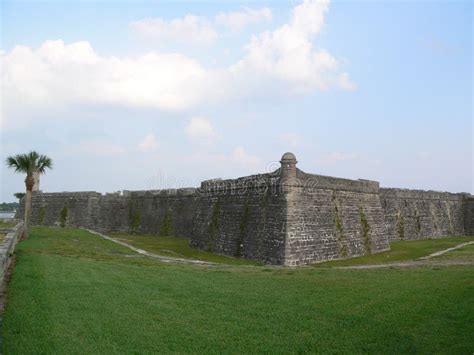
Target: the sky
(134, 95)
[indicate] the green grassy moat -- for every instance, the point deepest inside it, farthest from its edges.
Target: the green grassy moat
(74, 293)
(402, 251)
(177, 248)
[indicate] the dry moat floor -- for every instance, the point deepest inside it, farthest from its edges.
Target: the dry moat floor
(73, 292)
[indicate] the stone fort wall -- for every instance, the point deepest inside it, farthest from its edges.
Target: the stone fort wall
(286, 217)
(169, 212)
(331, 218)
(242, 217)
(469, 215)
(417, 214)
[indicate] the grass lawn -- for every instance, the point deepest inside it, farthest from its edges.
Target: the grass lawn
(402, 251)
(465, 253)
(72, 292)
(4, 223)
(177, 247)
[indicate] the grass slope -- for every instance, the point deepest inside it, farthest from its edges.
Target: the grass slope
(177, 247)
(465, 253)
(5, 223)
(72, 292)
(402, 251)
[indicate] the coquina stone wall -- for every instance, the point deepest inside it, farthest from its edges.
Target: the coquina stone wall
(469, 215)
(331, 218)
(244, 217)
(286, 217)
(165, 212)
(415, 214)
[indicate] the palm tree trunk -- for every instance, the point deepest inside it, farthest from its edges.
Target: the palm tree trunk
(29, 182)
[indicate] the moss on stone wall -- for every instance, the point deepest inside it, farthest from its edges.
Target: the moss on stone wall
(265, 197)
(339, 228)
(134, 219)
(180, 209)
(365, 231)
(450, 220)
(166, 224)
(434, 220)
(214, 226)
(243, 227)
(41, 214)
(400, 225)
(63, 216)
(418, 221)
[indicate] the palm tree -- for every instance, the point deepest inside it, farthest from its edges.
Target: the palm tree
(29, 164)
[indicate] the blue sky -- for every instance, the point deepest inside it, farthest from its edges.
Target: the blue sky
(140, 95)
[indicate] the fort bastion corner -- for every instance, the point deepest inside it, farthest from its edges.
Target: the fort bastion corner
(285, 217)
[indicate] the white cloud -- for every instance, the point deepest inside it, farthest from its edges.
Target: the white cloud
(238, 160)
(287, 53)
(58, 74)
(200, 130)
(344, 82)
(240, 156)
(41, 82)
(308, 17)
(237, 20)
(148, 144)
(188, 29)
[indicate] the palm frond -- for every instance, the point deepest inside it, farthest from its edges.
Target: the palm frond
(44, 162)
(33, 156)
(12, 162)
(29, 163)
(19, 163)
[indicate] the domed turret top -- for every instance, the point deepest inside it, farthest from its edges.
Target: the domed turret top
(288, 165)
(288, 158)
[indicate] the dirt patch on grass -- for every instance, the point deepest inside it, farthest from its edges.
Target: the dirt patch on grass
(414, 263)
(429, 260)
